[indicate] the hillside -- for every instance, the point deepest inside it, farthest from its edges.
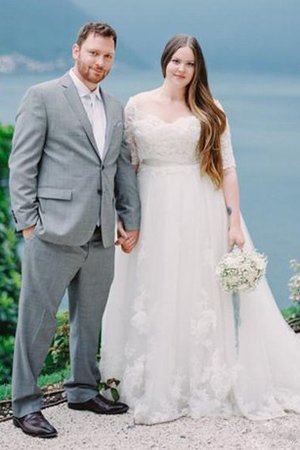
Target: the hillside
(38, 35)
(256, 35)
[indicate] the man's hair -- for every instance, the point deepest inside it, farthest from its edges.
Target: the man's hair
(101, 29)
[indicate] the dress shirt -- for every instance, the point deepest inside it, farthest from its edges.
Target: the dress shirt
(94, 107)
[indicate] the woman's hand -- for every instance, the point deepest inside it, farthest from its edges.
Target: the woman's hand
(126, 239)
(236, 236)
(131, 241)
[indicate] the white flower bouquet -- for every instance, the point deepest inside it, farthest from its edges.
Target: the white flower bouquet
(241, 270)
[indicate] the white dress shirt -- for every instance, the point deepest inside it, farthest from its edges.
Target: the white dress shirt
(94, 107)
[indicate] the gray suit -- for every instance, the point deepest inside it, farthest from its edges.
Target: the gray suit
(58, 181)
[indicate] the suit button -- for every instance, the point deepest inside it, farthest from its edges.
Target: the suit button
(99, 191)
(102, 168)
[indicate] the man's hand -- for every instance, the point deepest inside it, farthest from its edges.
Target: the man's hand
(127, 239)
(27, 232)
(131, 241)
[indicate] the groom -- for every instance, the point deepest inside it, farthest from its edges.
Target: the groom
(69, 171)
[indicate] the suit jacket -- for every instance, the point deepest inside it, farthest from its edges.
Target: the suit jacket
(57, 178)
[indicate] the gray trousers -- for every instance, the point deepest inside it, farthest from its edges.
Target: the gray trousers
(47, 270)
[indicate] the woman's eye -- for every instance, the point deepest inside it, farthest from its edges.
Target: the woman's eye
(176, 61)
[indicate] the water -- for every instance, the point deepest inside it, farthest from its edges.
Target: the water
(264, 114)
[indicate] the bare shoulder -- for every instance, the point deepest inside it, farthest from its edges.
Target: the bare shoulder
(145, 97)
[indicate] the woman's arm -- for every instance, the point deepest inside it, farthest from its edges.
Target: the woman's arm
(231, 194)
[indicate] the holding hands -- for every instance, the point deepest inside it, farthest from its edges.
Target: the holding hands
(127, 239)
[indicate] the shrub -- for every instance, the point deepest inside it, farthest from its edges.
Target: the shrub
(10, 268)
(58, 355)
(292, 314)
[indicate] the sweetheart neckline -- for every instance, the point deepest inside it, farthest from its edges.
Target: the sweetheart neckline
(164, 121)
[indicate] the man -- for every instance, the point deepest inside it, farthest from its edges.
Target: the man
(69, 170)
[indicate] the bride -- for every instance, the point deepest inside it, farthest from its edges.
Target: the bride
(168, 330)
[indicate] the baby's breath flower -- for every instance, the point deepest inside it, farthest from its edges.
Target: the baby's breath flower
(241, 270)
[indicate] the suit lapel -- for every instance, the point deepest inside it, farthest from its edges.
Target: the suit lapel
(109, 112)
(78, 108)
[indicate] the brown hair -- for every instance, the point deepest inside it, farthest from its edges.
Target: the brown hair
(102, 29)
(201, 103)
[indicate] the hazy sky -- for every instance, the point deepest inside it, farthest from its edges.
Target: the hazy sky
(266, 31)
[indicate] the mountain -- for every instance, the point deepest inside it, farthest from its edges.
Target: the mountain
(260, 35)
(38, 35)
(256, 35)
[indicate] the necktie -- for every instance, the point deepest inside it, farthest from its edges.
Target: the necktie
(97, 122)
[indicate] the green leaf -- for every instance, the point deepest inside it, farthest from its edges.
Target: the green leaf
(115, 394)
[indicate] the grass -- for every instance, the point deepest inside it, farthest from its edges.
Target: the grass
(43, 380)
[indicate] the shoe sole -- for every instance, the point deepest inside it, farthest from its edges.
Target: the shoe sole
(82, 408)
(46, 436)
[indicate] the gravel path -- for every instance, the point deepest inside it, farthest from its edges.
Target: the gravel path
(86, 430)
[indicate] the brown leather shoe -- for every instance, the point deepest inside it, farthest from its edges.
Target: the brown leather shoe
(100, 405)
(35, 425)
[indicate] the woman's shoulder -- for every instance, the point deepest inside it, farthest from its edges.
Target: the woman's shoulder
(141, 98)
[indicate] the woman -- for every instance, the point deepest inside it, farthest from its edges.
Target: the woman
(169, 331)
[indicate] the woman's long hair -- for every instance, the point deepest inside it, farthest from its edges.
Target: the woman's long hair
(203, 106)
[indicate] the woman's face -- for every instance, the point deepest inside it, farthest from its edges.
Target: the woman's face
(181, 67)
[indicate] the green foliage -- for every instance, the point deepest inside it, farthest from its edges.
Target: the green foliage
(6, 133)
(43, 380)
(53, 378)
(292, 314)
(6, 353)
(10, 281)
(290, 311)
(58, 355)
(294, 322)
(10, 278)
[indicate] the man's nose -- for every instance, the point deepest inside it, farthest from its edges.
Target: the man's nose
(100, 61)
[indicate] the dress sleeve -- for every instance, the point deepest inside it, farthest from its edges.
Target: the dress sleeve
(129, 135)
(226, 145)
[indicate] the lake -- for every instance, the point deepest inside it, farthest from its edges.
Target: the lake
(264, 115)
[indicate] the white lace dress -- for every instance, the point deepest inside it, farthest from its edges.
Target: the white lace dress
(168, 330)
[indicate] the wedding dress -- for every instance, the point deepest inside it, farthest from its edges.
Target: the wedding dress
(168, 329)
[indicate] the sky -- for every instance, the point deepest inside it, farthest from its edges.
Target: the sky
(257, 33)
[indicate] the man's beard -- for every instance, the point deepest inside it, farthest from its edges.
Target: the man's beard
(99, 74)
(90, 73)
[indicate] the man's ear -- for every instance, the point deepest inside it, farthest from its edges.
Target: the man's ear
(75, 51)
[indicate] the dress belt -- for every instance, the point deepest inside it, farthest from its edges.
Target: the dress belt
(161, 163)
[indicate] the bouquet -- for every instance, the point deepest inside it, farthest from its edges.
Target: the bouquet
(241, 270)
